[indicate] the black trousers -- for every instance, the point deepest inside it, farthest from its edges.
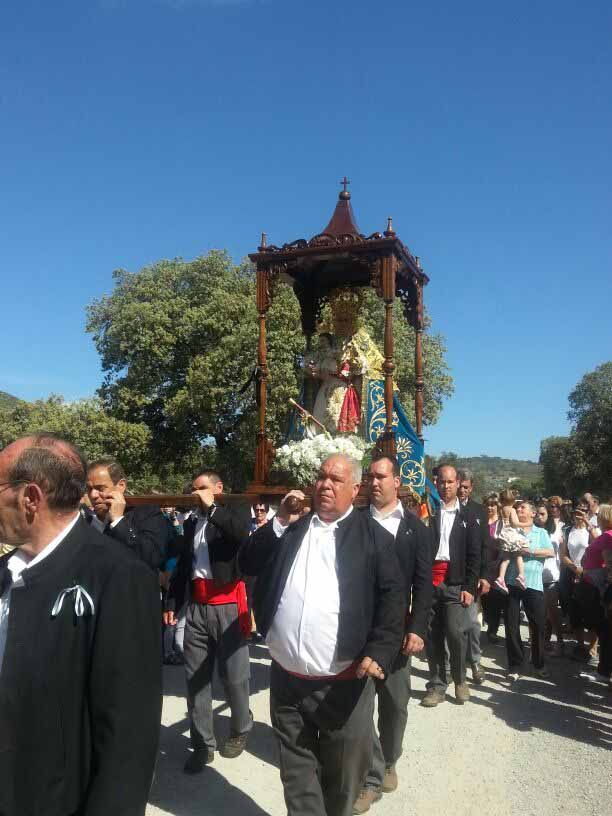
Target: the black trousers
(493, 608)
(533, 604)
(325, 734)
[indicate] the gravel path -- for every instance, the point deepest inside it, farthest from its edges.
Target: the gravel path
(540, 748)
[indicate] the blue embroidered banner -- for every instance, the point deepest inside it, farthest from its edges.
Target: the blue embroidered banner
(410, 451)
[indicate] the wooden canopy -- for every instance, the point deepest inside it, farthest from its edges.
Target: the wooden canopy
(340, 256)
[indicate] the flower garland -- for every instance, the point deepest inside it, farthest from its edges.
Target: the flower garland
(297, 464)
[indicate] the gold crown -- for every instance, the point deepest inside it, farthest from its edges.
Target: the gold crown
(345, 304)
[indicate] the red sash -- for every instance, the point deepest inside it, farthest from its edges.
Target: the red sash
(438, 572)
(205, 591)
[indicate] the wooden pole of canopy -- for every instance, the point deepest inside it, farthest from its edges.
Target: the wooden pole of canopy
(418, 360)
(388, 290)
(263, 304)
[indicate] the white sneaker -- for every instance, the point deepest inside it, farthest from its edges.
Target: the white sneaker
(513, 676)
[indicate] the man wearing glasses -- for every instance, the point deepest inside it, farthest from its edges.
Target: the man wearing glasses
(79, 708)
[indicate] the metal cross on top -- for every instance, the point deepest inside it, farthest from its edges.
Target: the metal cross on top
(345, 182)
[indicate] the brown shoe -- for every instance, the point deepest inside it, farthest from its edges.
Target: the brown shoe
(365, 800)
(462, 693)
(433, 697)
(390, 780)
(234, 746)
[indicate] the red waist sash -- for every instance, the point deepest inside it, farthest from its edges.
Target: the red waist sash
(438, 572)
(349, 673)
(205, 591)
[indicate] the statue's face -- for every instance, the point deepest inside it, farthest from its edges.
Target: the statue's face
(343, 324)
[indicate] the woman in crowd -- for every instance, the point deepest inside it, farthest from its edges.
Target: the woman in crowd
(573, 547)
(593, 589)
(550, 580)
(538, 548)
(493, 603)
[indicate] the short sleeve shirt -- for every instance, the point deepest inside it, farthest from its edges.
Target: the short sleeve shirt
(538, 539)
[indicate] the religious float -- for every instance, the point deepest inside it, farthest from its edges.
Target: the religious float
(349, 402)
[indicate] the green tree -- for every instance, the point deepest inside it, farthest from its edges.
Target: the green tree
(591, 415)
(87, 425)
(178, 341)
(564, 469)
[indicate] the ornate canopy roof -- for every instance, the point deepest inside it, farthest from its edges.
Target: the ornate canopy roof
(341, 256)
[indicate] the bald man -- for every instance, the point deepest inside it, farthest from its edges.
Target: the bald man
(79, 707)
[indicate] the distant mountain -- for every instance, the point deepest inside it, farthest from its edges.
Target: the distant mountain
(8, 400)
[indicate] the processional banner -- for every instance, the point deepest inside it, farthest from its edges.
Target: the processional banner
(410, 450)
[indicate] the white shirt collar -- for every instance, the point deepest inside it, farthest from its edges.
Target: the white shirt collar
(18, 562)
(315, 520)
(455, 508)
(397, 512)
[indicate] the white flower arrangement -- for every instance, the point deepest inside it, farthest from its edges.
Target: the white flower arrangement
(297, 463)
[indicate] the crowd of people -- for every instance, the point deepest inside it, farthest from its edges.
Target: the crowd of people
(344, 597)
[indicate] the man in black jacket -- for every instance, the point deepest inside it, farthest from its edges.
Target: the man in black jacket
(466, 486)
(414, 552)
(143, 530)
(79, 707)
(331, 603)
(455, 573)
(217, 619)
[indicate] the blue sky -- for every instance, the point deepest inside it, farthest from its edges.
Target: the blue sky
(133, 130)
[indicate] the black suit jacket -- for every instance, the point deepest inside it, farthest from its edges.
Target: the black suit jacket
(482, 519)
(465, 549)
(414, 553)
(227, 529)
(80, 697)
(145, 532)
(372, 595)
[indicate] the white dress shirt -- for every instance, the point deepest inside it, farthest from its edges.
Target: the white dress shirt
(303, 637)
(101, 526)
(389, 520)
(447, 520)
(201, 556)
(17, 564)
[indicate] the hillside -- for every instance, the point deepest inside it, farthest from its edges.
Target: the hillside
(495, 473)
(7, 400)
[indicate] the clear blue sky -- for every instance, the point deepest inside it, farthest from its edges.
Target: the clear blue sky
(133, 130)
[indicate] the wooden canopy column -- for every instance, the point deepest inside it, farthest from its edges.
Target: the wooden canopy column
(419, 381)
(263, 297)
(386, 442)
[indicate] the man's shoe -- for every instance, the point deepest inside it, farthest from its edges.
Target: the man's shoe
(478, 675)
(365, 800)
(493, 638)
(543, 673)
(390, 779)
(198, 760)
(462, 693)
(234, 745)
(433, 697)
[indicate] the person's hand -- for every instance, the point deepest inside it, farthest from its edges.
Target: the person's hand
(169, 618)
(205, 496)
(115, 504)
(579, 571)
(466, 598)
(413, 644)
(483, 586)
(370, 668)
(286, 513)
(525, 552)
